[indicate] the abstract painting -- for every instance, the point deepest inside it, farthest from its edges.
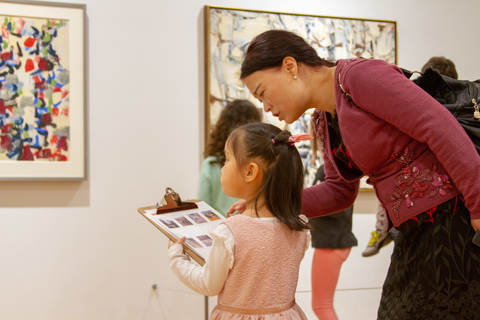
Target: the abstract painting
(34, 99)
(36, 93)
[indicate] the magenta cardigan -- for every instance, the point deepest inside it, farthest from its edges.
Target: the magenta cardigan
(413, 150)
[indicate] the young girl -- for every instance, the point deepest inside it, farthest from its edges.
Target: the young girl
(255, 257)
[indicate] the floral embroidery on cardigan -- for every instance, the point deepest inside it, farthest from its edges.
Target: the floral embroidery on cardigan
(412, 182)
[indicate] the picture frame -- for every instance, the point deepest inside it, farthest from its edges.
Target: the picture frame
(42, 102)
(228, 32)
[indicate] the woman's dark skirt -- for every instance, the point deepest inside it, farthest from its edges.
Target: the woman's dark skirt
(435, 268)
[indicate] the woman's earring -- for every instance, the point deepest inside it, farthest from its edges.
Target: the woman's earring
(295, 77)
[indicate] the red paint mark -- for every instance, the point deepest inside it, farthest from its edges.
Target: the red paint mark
(5, 32)
(43, 65)
(39, 84)
(65, 111)
(3, 110)
(62, 143)
(19, 26)
(43, 154)
(27, 153)
(30, 42)
(65, 93)
(58, 157)
(7, 128)
(55, 112)
(6, 143)
(6, 55)
(29, 66)
(53, 139)
(47, 119)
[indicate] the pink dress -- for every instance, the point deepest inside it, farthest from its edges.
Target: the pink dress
(264, 276)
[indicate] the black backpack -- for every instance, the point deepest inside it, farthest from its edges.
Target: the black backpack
(458, 96)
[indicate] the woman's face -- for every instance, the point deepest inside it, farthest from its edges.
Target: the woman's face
(279, 92)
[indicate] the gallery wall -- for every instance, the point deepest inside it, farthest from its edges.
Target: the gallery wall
(79, 249)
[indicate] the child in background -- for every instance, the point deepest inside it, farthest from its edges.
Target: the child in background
(381, 236)
(235, 113)
(255, 257)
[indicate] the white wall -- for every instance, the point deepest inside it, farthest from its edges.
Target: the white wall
(79, 250)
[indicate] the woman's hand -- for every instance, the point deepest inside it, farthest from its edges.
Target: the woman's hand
(179, 241)
(476, 224)
(238, 206)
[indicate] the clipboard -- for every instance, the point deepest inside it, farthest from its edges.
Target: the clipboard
(193, 219)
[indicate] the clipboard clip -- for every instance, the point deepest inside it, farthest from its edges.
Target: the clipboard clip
(171, 202)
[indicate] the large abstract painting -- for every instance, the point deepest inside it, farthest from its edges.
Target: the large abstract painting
(229, 32)
(41, 96)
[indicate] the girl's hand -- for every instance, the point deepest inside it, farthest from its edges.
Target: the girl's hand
(238, 206)
(179, 241)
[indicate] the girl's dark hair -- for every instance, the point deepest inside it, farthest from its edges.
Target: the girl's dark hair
(282, 168)
(268, 49)
(237, 112)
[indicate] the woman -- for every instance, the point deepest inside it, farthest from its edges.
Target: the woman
(421, 163)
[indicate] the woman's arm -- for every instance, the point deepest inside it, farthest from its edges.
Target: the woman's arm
(333, 195)
(382, 90)
(209, 279)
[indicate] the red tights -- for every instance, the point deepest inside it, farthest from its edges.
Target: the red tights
(326, 266)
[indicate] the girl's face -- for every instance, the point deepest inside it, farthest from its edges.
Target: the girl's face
(279, 92)
(233, 184)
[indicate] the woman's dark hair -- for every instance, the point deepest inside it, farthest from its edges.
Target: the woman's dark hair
(282, 168)
(442, 65)
(237, 112)
(268, 49)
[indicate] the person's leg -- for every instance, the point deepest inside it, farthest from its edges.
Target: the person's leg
(326, 266)
(380, 237)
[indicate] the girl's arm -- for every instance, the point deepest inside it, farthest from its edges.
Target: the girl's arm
(209, 279)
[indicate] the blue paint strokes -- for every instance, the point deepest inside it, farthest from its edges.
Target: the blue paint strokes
(36, 143)
(42, 132)
(36, 33)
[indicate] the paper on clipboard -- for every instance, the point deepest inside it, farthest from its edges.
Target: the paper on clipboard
(194, 224)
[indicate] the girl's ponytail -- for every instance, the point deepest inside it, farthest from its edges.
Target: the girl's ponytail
(283, 182)
(282, 165)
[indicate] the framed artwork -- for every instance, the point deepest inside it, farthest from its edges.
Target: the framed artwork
(228, 33)
(42, 87)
